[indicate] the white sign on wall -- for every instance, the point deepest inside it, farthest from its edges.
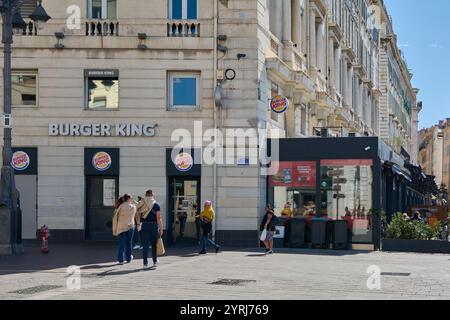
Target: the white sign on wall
(101, 130)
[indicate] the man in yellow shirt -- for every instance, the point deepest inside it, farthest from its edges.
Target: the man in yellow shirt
(287, 211)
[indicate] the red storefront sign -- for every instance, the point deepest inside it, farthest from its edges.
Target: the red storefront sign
(295, 174)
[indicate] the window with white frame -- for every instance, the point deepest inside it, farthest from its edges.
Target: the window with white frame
(183, 9)
(102, 9)
(183, 90)
(24, 88)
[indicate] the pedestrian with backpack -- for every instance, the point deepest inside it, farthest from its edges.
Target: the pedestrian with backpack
(267, 226)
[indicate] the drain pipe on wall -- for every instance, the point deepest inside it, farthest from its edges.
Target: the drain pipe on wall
(215, 183)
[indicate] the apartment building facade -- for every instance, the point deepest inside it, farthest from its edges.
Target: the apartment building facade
(100, 90)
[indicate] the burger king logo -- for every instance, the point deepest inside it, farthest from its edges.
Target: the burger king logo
(184, 162)
(101, 161)
(279, 104)
(20, 161)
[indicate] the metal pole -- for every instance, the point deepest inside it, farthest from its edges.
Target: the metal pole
(7, 184)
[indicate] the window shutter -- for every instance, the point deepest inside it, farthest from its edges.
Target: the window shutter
(28, 8)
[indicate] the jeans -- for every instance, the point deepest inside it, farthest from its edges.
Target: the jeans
(125, 243)
(182, 225)
(205, 239)
(150, 236)
(137, 238)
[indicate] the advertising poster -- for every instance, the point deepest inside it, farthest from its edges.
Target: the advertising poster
(295, 174)
(304, 174)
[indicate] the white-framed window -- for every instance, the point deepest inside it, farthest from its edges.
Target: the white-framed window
(101, 89)
(183, 91)
(183, 9)
(102, 9)
(24, 88)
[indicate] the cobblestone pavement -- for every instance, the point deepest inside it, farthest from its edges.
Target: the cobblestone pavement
(182, 274)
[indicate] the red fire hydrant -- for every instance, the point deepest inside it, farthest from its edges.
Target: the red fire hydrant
(44, 234)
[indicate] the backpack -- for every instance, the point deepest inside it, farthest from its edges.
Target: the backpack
(275, 220)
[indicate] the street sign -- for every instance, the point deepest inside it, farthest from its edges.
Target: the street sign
(339, 196)
(337, 188)
(340, 181)
(335, 173)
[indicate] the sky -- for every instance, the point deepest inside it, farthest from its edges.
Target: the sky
(423, 34)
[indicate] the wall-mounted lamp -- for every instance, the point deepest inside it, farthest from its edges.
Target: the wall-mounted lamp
(221, 48)
(59, 36)
(241, 55)
(142, 37)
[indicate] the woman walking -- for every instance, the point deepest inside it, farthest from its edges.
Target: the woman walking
(206, 218)
(268, 225)
(150, 222)
(123, 227)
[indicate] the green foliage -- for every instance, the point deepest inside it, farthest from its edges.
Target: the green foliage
(399, 228)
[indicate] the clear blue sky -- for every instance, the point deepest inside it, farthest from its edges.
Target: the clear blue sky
(423, 34)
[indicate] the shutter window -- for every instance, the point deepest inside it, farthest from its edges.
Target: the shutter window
(28, 8)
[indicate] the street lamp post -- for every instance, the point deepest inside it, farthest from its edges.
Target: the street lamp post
(9, 195)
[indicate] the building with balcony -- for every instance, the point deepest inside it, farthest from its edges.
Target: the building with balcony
(99, 92)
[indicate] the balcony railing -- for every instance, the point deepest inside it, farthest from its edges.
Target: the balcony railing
(102, 28)
(183, 28)
(30, 29)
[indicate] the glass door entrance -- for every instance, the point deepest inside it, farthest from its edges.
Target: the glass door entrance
(184, 197)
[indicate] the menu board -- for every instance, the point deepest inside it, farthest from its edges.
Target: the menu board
(294, 174)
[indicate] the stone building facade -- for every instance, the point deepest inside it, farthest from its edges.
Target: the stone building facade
(157, 66)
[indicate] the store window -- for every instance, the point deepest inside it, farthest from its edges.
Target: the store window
(102, 9)
(183, 91)
(183, 9)
(346, 194)
(102, 89)
(24, 88)
(295, 182)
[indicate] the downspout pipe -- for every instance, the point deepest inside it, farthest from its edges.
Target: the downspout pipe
(215, 184)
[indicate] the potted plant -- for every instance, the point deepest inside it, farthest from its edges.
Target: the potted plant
(413, 236)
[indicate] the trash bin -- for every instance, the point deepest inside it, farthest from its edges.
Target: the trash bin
(340, 235)
(297, 233)
(319, 233)
(280, 232)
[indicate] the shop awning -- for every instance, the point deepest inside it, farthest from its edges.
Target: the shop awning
(400, 172)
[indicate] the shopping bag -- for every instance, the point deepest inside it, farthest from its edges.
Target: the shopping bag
(263, 235)
(160, 251)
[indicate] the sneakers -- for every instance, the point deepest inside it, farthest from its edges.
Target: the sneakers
(155, 265)
(136, 247)
(202, 252)
(217, 249)
(121, 263)
(132, 258)
(145, 267)
(270, 252)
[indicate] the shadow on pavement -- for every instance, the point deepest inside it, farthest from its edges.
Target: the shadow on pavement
(85, 254)
(314, 252)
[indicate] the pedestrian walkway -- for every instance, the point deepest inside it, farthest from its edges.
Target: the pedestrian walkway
(231, 275)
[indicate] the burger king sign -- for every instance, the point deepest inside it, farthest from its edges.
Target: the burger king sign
(279, 104)
(20, 161)
(183, 162)
(101, 161)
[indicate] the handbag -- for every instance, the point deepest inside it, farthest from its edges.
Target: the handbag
(263, 235)
(160, 250)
